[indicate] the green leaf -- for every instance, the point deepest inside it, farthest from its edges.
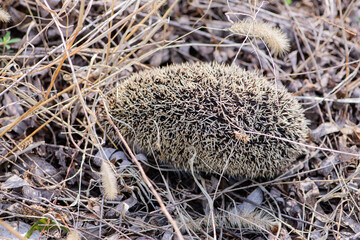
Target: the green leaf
(288, 2)
(6, 37)
(36, 226)
(41, 225)
(14, 40)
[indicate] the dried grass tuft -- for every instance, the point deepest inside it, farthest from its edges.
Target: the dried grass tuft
(73, 235)
(4, 15)
(276, 40)
(255, 220)
(109, 181)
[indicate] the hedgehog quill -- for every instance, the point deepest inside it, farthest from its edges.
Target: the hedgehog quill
(235, 121)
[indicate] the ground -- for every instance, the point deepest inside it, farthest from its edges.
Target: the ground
(60, 58)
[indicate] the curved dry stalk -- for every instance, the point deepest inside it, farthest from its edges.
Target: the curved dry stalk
(147, 181)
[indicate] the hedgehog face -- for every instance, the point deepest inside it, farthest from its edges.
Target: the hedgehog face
(231, 119)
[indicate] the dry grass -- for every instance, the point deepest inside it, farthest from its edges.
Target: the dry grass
(72, 53)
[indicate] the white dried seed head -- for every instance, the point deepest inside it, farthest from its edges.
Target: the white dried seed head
(4, 15)
(276, 40)
(109, 182)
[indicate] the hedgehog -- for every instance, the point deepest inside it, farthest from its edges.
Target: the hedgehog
(214, 117)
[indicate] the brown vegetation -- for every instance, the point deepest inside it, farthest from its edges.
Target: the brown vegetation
(61, 58)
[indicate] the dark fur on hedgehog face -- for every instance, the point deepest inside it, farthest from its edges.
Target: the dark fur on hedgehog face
(228, 117)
